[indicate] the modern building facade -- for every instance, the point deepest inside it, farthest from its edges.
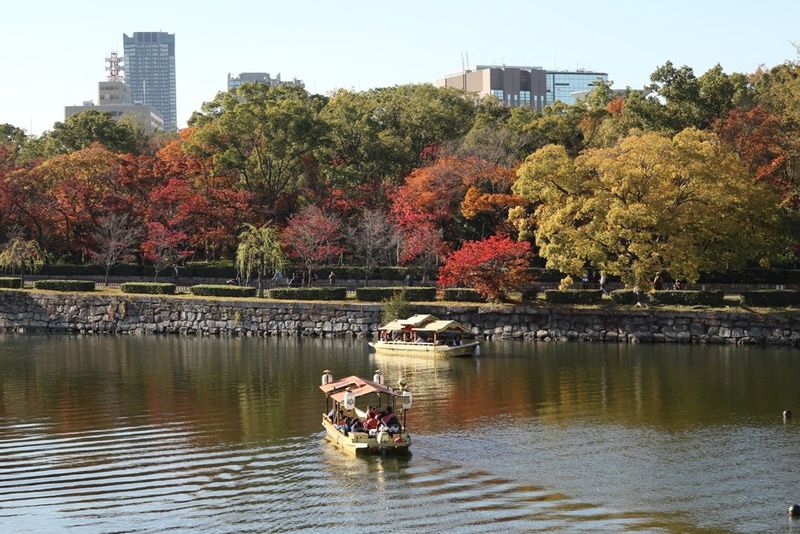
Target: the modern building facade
(532, 87)
(150, 72)
(260, 77)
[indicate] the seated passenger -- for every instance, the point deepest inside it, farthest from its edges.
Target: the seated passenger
(357, 426)
(390, 421)
(372, 422)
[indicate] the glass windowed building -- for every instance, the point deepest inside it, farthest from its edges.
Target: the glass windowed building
(562, 86)
(532, 87)
(150, 72)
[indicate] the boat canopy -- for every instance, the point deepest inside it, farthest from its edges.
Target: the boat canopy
(441, 326)
(415, 321)
(358, 386)
(393, 326)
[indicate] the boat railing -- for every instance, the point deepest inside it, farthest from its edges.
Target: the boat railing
(399, 342)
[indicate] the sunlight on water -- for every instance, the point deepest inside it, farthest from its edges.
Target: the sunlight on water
(138, 434)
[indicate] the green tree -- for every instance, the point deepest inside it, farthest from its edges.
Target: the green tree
(677, 99)
(82, 130)
(267, 135)
(259, 252)
(682, 205)
(12, 139)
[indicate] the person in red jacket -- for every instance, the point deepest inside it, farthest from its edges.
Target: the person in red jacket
(390, 421)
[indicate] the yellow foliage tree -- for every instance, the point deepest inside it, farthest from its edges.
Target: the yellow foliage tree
(649, 204)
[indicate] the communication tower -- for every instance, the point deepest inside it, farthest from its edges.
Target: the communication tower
(114, 67)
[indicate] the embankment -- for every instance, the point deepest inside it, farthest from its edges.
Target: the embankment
(125, 314)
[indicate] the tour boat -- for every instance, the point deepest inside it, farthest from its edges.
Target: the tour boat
(424, 335)
(390, 435)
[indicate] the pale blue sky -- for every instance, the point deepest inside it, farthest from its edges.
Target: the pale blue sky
(52, 51)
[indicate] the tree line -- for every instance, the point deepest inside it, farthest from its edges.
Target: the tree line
(691, 173)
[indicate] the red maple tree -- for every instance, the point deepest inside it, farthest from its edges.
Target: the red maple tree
(312, 238)
(492, 266)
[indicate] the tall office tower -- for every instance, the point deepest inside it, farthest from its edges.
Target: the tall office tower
(150, 72)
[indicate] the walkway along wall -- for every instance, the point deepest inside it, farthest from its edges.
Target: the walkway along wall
(82, 313)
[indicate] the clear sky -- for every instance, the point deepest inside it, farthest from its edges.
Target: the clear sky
(52, 51)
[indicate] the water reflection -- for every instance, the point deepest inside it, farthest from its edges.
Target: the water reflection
(107, 433)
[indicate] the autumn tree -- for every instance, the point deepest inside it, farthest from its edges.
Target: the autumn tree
(493, 267)
(115, 236)
(164, 247)
(259, 252)
(652, 203)
(61, 199)
(312, 238)
(422, 245)
(373, 238)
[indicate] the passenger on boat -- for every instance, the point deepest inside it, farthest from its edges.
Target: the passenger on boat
(346, 425)
(372, 421)
(357, 426)
(390, 422)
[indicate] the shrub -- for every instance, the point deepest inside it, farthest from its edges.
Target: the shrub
(309, 293)
(688, 298)
(627, 296)
(752, 276)
(462, 294)
(378, 294)
(65, 285)
(211, 290)
(357, 272)
(565, 283)
(573, 296)
(65, 269)
(530, 294)
(10, 282)
(395, 307)
(770, 297)
(149, 288)
(218, 269)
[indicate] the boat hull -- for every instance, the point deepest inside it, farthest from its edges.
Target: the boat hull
(424, 349)
(359, 443)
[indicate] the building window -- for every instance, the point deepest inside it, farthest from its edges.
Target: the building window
(525, 98)
(499, 94)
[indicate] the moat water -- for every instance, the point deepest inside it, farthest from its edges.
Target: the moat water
(155, 434)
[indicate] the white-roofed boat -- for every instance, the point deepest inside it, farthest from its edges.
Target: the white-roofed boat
(424, 335)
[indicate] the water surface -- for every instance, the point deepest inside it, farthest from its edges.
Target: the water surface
(151, 434)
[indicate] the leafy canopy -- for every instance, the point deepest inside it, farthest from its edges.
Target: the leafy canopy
(682, 205)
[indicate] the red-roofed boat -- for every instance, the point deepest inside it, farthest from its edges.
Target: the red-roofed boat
(344, 422)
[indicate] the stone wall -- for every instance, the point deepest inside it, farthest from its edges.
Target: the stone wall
(29, 310)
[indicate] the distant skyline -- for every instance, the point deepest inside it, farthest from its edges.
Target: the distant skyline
(53, 51)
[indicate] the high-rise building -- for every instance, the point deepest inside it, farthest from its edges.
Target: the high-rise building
(260, 77)
(150, 72)
(532, 87)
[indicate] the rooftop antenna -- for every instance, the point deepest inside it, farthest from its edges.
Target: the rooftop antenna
(467, 53)
(114, 67)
